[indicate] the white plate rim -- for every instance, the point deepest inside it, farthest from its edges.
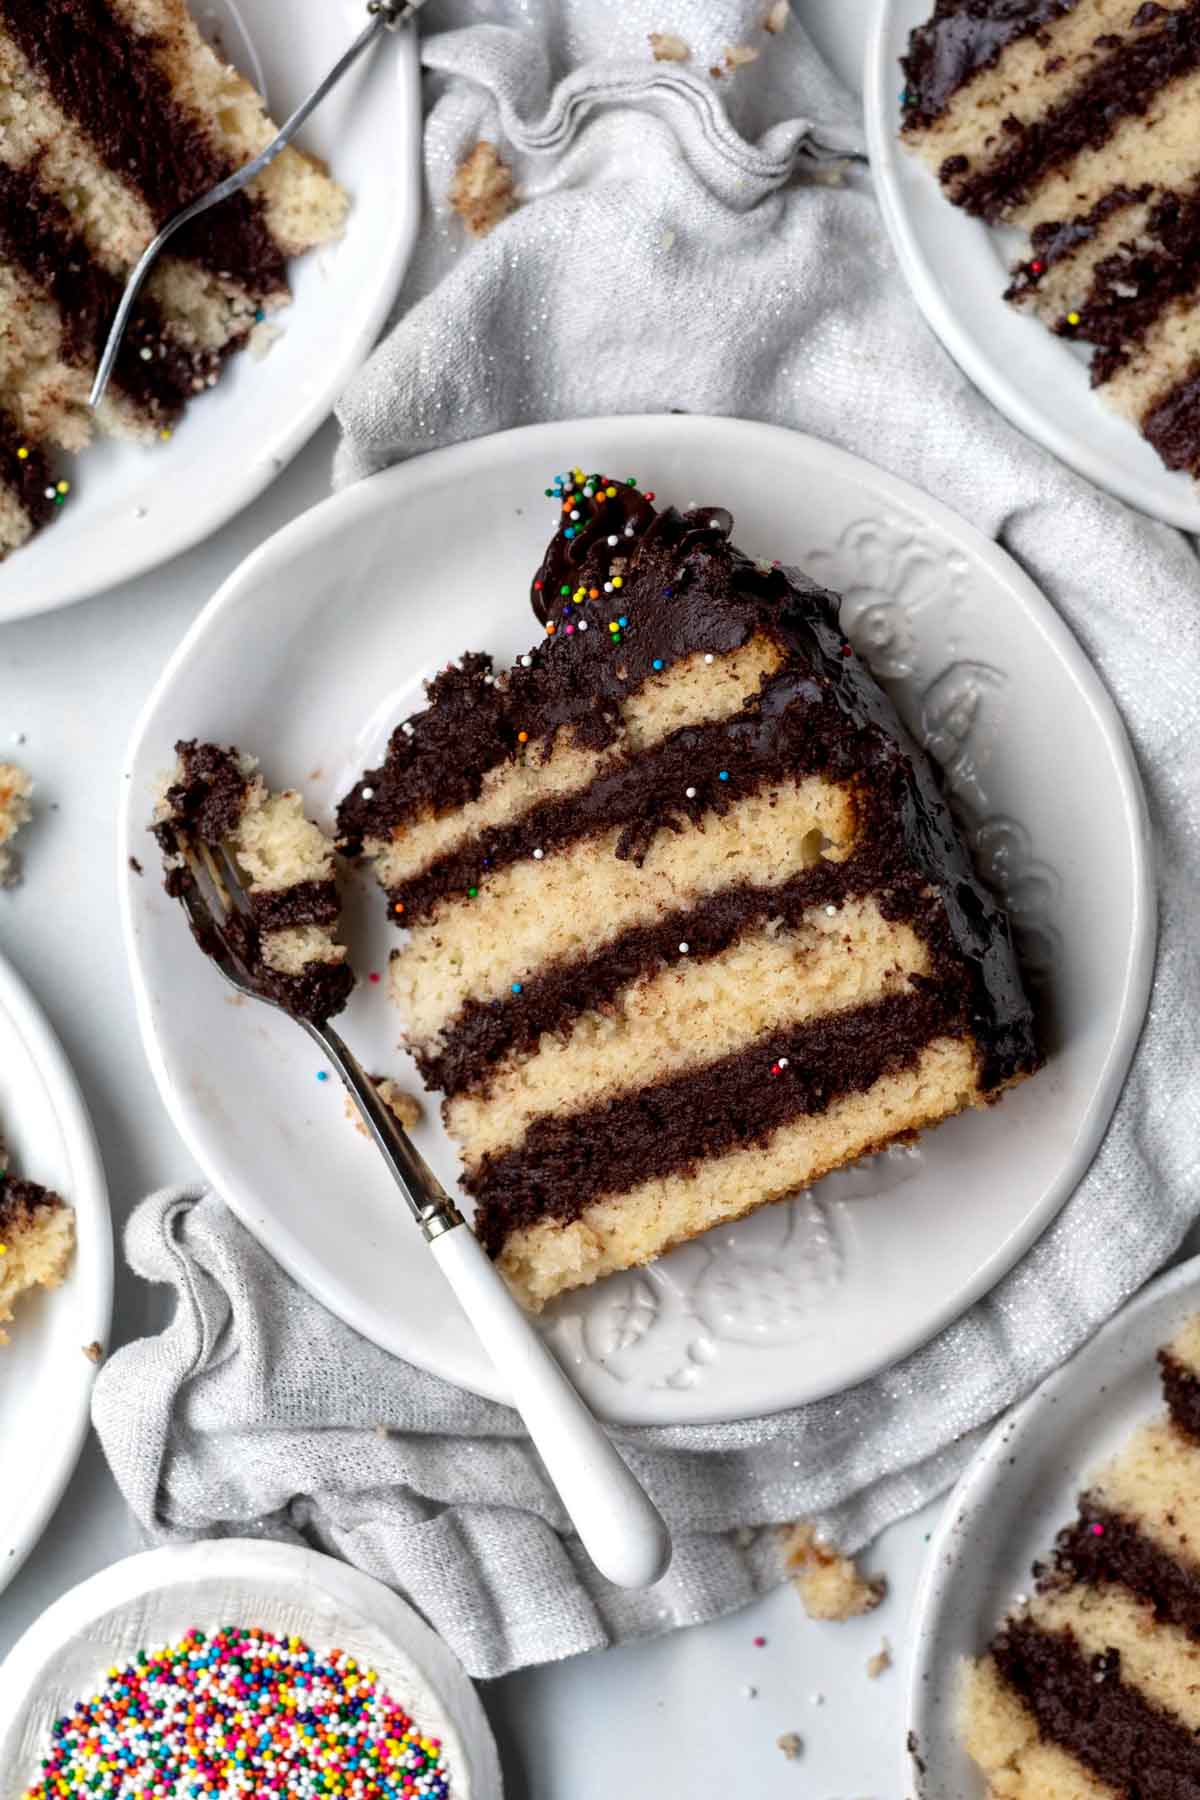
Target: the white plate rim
(89, 1198)
(232, 1558)
(883, 151)
(387, 487)
(142, 552)
(986, 1471)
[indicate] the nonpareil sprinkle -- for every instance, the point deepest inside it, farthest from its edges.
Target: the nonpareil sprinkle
(243, 1713)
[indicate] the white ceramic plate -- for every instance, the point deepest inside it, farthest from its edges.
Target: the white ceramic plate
(958, 268)
(316, 648)
(153, 1599)
(1020, 1489)
(131, 508)
(45, 1377)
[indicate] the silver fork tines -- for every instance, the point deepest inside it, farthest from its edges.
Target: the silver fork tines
(218, 929)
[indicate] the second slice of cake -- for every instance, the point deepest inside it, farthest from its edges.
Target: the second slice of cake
(688, 924)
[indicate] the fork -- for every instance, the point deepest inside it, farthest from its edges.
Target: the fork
(619, 1526)
(385, 15)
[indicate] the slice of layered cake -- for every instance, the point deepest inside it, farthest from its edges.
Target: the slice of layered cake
(1076, 121)
(687, 923)
(37, 1237)
(289, 945)
(1091, 1689)
(113, 115)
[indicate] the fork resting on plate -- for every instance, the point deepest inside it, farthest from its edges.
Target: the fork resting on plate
(618, 1524)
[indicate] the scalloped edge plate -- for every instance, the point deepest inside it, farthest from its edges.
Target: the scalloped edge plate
(316, 646)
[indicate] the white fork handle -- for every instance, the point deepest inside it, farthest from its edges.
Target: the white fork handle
(620, 1527)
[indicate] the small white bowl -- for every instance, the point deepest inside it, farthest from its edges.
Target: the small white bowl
(154, 1599)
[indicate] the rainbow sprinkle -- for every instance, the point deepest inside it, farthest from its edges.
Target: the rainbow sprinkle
(241, 1713)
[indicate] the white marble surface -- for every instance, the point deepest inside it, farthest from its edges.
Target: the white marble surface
(670, 1717)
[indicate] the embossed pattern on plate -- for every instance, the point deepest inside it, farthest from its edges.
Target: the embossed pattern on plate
(803, 1298)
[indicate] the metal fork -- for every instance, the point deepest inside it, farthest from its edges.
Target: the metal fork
(386, 15)
(619, 1526)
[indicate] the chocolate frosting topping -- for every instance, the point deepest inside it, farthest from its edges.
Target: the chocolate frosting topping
(963, 37)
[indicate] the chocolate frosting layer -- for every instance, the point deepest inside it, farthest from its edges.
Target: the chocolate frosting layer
(1081, 1703)
(27, 477)
(106, 79)
(961, 38)
(1053, 239)
(303, 903)
(793, 729)
(487, 1031)
(211, 792)
(1117, 87)
(38, 234)
(565, 1161)
(1181, 1387)
(1172, 425)
(1104, 1546)
(23, 1203)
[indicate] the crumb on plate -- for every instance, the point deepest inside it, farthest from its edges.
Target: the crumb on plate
(406, 1106)
(828, 1583)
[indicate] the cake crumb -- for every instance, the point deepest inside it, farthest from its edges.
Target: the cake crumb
(15, 811)
(828, 1583)
(263, 338)
(94, 1352)
(738, 55)
(406, 1106)
(482, 190)
(879, 1664)
(667, 47)
(776, 18)
(136, 866)
(791, 1743)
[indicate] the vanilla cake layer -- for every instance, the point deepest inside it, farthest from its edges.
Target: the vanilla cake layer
(1078, 121)
(113, 114)
(37, 1238)
(1092, 1687)
(684, 925)
(289, 943)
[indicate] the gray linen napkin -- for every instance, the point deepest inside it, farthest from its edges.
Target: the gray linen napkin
(679, 244)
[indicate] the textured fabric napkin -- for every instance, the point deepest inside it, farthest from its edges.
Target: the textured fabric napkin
(681, 242)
